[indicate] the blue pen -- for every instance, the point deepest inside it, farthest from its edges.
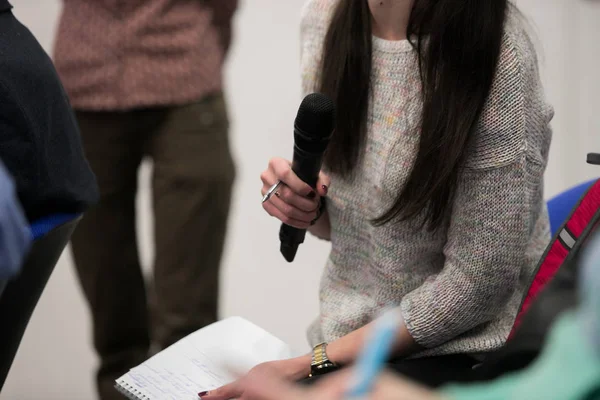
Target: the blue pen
(374, 354)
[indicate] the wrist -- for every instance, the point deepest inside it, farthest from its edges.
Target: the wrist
(340, 354)
(297, 368)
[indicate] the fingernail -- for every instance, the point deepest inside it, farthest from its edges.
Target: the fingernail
(202, 394)
(312, 195)
(325, 188)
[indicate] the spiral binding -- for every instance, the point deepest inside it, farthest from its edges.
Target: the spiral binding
(130, 392)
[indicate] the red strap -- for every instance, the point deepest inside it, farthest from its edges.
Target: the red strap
(578, 221)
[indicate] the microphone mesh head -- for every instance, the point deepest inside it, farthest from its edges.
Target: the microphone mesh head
(315, 117)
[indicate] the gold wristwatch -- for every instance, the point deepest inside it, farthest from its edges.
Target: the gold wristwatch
(320, 363)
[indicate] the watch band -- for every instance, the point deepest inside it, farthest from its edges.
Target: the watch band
(321, 364)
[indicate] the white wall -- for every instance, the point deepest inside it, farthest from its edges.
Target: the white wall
(55, 360)
(568, 33)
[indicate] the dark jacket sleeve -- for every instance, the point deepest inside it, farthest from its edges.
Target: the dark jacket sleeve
(40, 143)
(46, 160)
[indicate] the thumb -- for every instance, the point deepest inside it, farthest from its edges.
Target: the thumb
(323, 184)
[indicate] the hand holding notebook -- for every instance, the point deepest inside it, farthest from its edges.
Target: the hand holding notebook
(205, 360)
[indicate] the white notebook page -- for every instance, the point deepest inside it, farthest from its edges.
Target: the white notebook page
(204, 360)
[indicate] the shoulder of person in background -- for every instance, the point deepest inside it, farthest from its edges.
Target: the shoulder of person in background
(39, 137)
(223, 12)
(15, 236)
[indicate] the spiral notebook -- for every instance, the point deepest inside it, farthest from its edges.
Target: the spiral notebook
(204, 360)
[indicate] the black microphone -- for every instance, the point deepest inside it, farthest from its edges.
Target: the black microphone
(313, 127)
(593, 158)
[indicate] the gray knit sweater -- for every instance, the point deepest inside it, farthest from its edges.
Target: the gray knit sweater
(459, 289)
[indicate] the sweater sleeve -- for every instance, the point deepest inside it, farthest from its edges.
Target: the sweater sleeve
(484, 254)
(493, 215)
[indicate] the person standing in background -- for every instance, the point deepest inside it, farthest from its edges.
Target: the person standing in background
(145, 80)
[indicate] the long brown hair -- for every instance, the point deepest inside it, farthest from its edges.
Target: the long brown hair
(458, 44)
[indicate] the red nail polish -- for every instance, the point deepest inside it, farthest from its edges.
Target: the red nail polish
(325, 188)
(201, 394)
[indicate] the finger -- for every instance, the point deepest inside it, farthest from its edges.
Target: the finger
(275, 212)
(306, 204)
(323, 184)
(268, 177)
(303, 204)
(283, 172)
(286, 195)
(227, 392)
(281, 200)
(293, 212)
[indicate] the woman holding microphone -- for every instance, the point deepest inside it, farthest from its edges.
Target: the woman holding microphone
(432, 183)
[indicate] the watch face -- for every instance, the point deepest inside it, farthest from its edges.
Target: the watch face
(323, 368)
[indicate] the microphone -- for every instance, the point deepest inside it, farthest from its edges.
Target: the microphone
(593, 158)
(313, 127)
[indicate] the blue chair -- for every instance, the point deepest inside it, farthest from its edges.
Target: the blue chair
(21, 295)
(560, 206)
(43, 226)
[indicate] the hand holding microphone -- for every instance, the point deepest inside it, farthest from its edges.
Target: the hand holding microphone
(293, 202)
(293, 191)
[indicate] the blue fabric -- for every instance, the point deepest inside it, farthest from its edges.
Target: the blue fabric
(15, 237)
(44, 225)
(560, 207)
(589, 293)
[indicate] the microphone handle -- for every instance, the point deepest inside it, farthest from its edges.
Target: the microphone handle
(307, 166)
